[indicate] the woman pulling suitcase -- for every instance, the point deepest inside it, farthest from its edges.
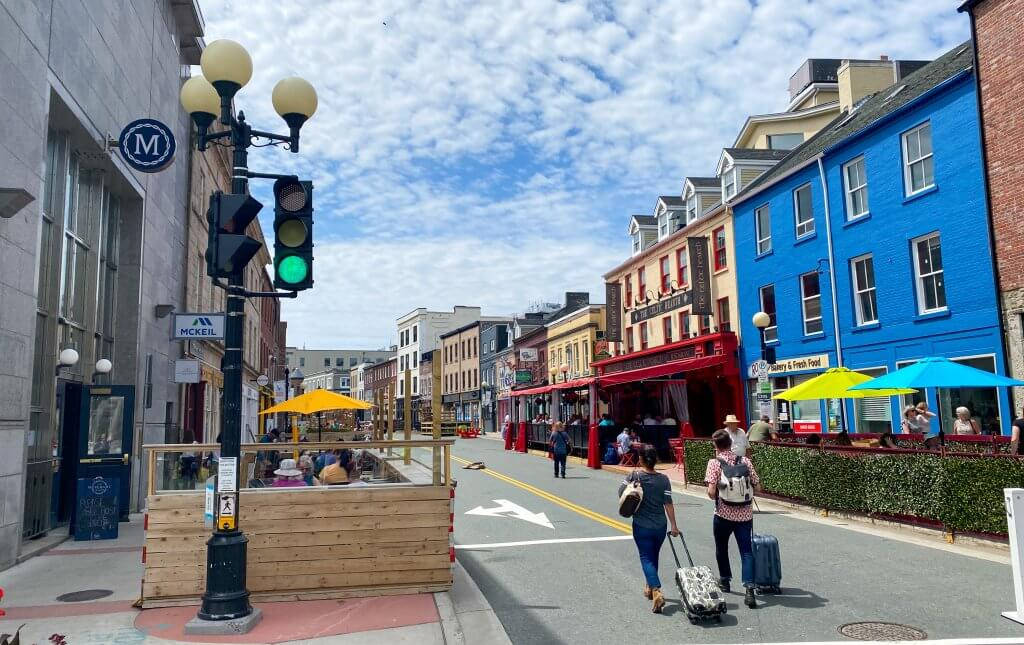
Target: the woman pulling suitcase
(649, 521)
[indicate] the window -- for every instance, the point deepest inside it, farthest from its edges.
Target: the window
(785, 141)
(636, 242)
(771, 332)
(643, 335)
(352, 361)
(414, 388)
(684, 325)
(810, 296)
(576, 357)
(327, 362)
(586, 355)
(802, 211)
(865, 303)
(663, 226)
(492, 344)
(873, 414)
(683, 265)
(666, 274)
(629, 291)
(763, 228)
(931, 288)
(721, 259)
(691, 208)
(705, 324)
(629, 339)
(302, 362)
(414, 327)
(918, 165)
(666, 324)
(641, 283)
(728, 184)
(855, 184)
(415, 359)
(339, 361)
(724, 324)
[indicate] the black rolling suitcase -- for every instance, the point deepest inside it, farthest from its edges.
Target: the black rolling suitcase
(702, 597)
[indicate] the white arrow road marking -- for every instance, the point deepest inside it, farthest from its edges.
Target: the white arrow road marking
(506, 508)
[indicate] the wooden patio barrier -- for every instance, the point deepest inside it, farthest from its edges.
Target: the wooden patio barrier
(308, 543)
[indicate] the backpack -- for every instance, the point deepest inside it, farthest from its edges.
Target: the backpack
(734, 487)
(611, 455)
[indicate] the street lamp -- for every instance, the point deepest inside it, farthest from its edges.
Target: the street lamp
(227, 67)
(762, 321)
(102, 367)
(68, 358)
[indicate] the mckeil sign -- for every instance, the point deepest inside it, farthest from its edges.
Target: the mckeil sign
(199, 326)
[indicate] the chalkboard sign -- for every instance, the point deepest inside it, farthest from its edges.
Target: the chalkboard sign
(96, 508)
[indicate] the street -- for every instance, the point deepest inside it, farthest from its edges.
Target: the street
(588, 590)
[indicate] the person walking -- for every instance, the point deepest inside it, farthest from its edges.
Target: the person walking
(726, 476)
(561, 446)
(963, 423)
(737, 435)
(650, 524)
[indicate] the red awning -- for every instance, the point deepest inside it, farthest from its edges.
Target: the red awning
(664, 369)
(574, 384)
(543, 389)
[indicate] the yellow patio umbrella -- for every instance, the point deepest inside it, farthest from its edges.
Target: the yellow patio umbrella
(835, 383)
(319, 400)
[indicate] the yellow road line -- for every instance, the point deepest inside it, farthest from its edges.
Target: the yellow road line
(585, 512)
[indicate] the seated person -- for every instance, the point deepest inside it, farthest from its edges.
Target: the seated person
(306, 466)
(338, 472)
(624, 442)
(842, 439)
(606, 420)
(288, 475)
(887, 440)
(668, 421)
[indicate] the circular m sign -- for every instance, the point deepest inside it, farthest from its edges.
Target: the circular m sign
(147, 145)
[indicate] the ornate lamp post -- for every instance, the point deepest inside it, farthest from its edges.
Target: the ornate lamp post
(227, 67)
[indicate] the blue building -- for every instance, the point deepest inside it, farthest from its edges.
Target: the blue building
(869, 243)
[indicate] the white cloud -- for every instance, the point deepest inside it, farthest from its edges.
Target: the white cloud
(522, 131)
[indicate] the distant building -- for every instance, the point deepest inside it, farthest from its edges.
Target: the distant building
(313, 361)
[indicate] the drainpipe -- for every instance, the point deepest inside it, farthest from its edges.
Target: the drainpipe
(832, 282)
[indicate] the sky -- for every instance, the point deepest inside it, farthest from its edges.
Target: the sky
(491, 153)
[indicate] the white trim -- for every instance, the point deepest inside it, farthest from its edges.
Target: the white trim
(908, 189)
(499, 545)
(814, 88)
(858, 290)
(760, 302)
(919, 278)
(848, 191)
(789, 115)
(735, 183)
(803, 305)
(796, 212)
(759, 236)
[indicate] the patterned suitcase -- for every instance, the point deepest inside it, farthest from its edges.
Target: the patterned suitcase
(702, 597)
(767, 564)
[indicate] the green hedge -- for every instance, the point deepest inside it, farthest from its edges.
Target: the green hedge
(964, 494)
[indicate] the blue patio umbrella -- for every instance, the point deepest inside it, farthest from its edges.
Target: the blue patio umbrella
(936, 371)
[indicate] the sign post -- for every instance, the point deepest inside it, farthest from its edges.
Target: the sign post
(1014, 498)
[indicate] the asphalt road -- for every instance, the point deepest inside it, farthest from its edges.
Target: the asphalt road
(588, 591)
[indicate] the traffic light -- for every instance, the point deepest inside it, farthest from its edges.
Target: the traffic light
(229, 248)
(293, 234)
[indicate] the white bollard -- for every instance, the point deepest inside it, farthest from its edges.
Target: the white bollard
(1014, 498)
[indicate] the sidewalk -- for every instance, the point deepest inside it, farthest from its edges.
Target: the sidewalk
(107, 576)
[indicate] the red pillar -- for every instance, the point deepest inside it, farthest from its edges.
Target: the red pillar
(521, 439)
(593, 447)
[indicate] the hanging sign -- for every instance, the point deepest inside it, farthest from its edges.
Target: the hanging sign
(186, 370)
(613, 312)
(147, 145)
(700, 273)
(199, 326)
(681, 299)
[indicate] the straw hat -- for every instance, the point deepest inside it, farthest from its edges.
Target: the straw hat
(288, 469)
(731, 418)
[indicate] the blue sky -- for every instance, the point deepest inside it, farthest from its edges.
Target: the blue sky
(491, 153)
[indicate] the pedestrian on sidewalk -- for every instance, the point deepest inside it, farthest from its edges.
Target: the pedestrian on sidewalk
(732, 482)
(736, 435)
(649, 523)
(561, 446)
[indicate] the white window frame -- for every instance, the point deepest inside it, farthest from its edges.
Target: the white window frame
(663, 226)
(859, 289)
(636, 242)
(919, 278)
(764, 242)
(908, 163)
(771, 332)
(726, 196)
(797, 222)
(849, 189)
(860, 403)
(691, 208)
(804, 299)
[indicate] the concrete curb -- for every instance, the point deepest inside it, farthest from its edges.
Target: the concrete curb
(466, 616)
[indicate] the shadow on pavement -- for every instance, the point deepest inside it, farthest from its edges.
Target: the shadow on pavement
(675, 607)
(794, 598)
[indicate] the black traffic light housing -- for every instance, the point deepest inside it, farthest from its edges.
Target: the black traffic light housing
(293, 234)
(230, 249)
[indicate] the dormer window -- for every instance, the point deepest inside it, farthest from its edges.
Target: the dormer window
(663, 226)
(729, 184)
(691, 208)
(636, 243)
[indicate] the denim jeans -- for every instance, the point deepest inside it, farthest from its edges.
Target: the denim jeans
(560, 460)
(648, 544)
(723, 528)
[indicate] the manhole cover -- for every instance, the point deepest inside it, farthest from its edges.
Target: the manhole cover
(875, 631)
(82, 596)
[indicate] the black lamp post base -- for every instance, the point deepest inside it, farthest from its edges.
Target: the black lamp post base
(226, 598)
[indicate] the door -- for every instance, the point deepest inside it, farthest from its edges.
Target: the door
(105, 420)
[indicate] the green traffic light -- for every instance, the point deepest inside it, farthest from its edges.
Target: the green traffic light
(293, 269)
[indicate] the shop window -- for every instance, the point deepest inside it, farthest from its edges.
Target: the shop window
(666, 324)
(683, 264)
(666, 274)
(982, 402)
(684, 325)
(643, 335)
(724, 323)
(873, 414)
(721, 256)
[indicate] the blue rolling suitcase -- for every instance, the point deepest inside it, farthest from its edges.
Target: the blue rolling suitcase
(767, 564)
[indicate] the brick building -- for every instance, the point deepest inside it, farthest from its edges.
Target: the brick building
(999, 49)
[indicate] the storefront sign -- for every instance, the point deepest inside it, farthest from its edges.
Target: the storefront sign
(528, 355)
(807, 426)
(613, 311)
(524, 376)
(799, 364)
(193, 326)
(681, 299)
(700, 275)
(186, 371)
(147, 145)
(653, 360)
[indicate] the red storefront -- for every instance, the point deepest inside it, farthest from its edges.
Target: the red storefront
(696, 381)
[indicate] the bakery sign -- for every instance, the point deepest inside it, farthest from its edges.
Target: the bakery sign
(798, 364)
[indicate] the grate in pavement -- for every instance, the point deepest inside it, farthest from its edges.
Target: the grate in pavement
(879, 631)
(84, 595)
